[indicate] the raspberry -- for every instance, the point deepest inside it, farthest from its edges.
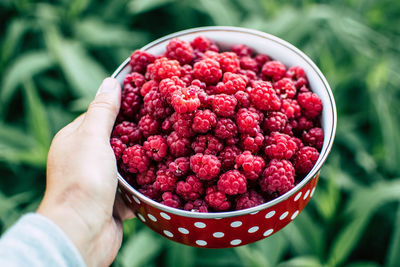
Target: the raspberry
(139, 61)
(314, 137)
(227, 157)
(206, 167)
(298, 75)
(248, 63)
(302, 124)
(146, 177)
(171, 200)
(200, 84)
(232, 183)
(304, 159)
(242, 50)
(243, 99)
(178, 146)
(224, 105)
(156, 147)
(207, 144)
(205, 99)
(231, 83)
(311, 104)
(128, 132)
(169, 85)
(183, 124)
(207, 70)
(185, 99)
(166, 126)
(179, 50)
(118, 147)
(261, 59)
(250, 165)
(165, 181)
(285, 88)
(278, 177)
(291, 108)
(149, 191)
(130, 101)
(263, 96)
(135, 79)
(148, 125)
(211, 90)
(191, 189)
(279, 146)
(196, 206)
(229, 62)
(180, 166)
(232, 141)
(187, 74)
(135, 158)
(274, 69)
(252, 143)
(217, 199)
(248, 200)
(274, 122)
(203, 44)
(163, 68)
(247, 121)
(225, 128)
(148, 86)
(155, 105)
(204, 121)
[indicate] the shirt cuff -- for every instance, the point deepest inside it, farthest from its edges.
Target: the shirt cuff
(35, 240)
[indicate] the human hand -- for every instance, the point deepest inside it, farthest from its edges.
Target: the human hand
(81, 195)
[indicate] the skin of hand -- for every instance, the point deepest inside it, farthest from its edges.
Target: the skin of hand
(81, 190)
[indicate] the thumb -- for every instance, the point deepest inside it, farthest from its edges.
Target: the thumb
(102, 112)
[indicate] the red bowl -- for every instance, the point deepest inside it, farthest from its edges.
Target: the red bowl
(234, 228)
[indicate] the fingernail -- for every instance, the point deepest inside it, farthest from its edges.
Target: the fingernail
(108, 85)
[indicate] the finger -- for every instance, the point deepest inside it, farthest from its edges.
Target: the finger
(121, 210)
(100, 117)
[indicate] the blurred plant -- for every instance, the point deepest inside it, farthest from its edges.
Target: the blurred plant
(53, 55)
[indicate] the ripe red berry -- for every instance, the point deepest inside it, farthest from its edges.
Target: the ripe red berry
(274, 122)
(135, 159)
(232, 183)
(180, 166)
(251, 166)
(248, 200)
(224, 105)
(156, 147)
(118, 147)
(231, 83)
(185, 99)
(139, 61)
(128, 132)
(229, 62)
(163, 68)
(217, 199)
(196, 206)
(178, 146)
(278, 177)
(207, 70)
(274, 69)
(304, 159)
(285, 88)
(314, 137)
(310, 103)
(252, 143)
(206, 167)
(207, 144)
(279, 146)
(204, 121)
(165, 181)
(263, 96)
(248, 121)
(148, 126)
(191, 189)
(225, 128)
(242, 50)
(228, 156)
(180, 50)
(146, 177)
(171, 200)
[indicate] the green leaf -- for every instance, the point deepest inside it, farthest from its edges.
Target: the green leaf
(221, 12)
(301, 261)
(141, 248)
(180, 255)
(142, 6)
(393, 255)
(26, 65)
(82, 72)
(273, 248)
(251, 256)
(38, 125)
(359, 211)
(97, 33)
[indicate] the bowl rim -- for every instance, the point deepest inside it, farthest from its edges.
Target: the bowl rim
(314, 171)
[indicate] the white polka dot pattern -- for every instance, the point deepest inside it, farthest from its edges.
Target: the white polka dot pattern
(236, 224)
(268, 232)
(297, 196)
(306, 194)
(200, 225)
(270, 214)
(283, 216)
(136, 199)
(218, 234)
(312, 192)
(151, 217)
(201, 242)
(236, 242)
(294, 215)
(168, 233)
(141, 217)
(253, 229)
(165, 216)
(183, 230)
(129, 199)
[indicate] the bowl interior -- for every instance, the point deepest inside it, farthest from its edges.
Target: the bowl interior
(277, 49)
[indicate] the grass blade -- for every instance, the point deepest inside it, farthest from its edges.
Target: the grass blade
(393, 255)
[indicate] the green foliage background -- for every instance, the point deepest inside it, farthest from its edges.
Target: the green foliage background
(54, 54)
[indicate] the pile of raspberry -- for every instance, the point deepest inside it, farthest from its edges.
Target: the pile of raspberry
(206, 130)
